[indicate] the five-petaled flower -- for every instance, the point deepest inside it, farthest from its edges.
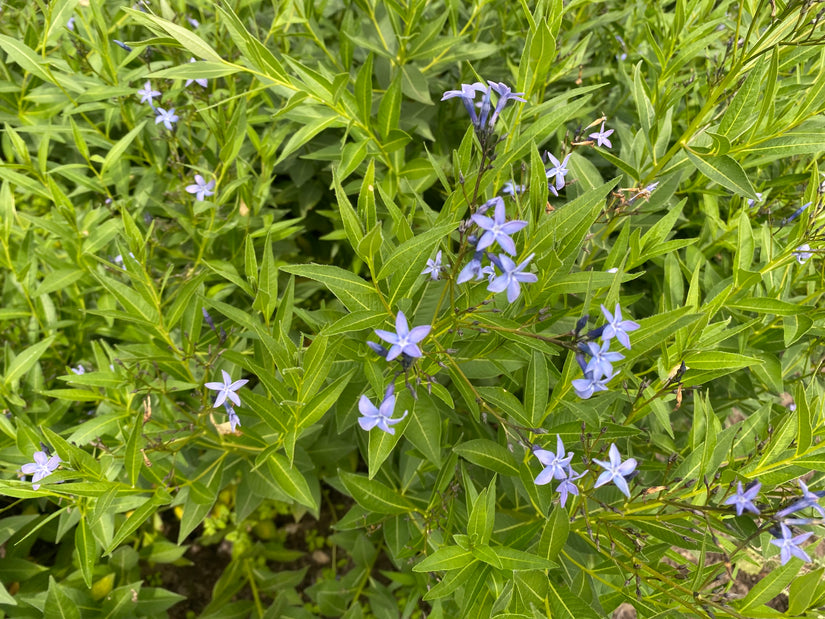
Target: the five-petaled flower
(601, 361)
(433, 266)
(616, 327)
(166, 117)
(467, 95)
(201, 188)
(511, 189)
(404, 339)
(743, 500)
(809, 499)
(555, 464)
(43, 466)
(803, 253)
(789, 545)
(511, 276)
(200, 81)
(615, 470)
(590, 384)
(559, 169)
(504, 95)
(226, 389)
(566, 485)
(380, 416)
(147, 94)
(602, 136)
(498, 230)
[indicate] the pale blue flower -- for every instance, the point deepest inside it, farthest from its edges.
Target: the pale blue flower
(587, 386)
(616, 327)
(555, 464)
(511, 189)
(381, 416)
(743, 500)
(79, 370)
(803, 253)
(602, 137)
(70, 23)
(201, 188)
(559, 169)
(193, 22)
(433, 267)
(403, 340)
(616, 470)
(504, 95)
(498, 230)
(234, 420)
(167, 118)
(511, 277)
(752, 202)
(601, 359)
(226, 389)
(147, 93)
(472, 269)
(200, 81)
(809, 499)
(43, 466)
(796, 213)
(467, 95)
(789, 545)
(566, 486)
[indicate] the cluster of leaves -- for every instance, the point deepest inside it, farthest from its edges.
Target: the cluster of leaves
(311, 191)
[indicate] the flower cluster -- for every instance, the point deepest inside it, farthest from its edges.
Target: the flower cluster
(557, 466)
(784, 538)
(598, 370)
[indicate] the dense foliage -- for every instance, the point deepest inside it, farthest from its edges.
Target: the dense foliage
(397, 308)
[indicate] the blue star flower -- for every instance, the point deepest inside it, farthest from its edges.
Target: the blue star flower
(472, 269)
(789, 545)
(601, 362)
(511, 276)
(743, 500)
(167, 118)
(226, 389)
(559, 169)
(587, 386)
(504, 95)
(467, 95)
(147, 94)
(498, 230)
(511, 189)
(566, 486)
(403, 340)
(43, 466)
(201, 188)
(433, 267)
(555, 464)
(809, 499)
(381, 416)
(602, 137)
(616, 327)
(616, 470)
(803, 253)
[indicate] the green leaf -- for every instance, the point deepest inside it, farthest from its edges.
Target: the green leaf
(58, 603)
(537, 388)
(291, 480)
(23, 362)
(389, 110)
(554, 535)
(313, 410)
(512, 559)
(116, 152)
(86, 548)
(719, 360)
(445, 559)
(406, 261)
(567, 605)
(363, 90)
(382, 444)
(188, 39)
(351, 290)
(764, 305)
(133, 522)
(24, 56)
(197, 70)
(58, 280)
(770, 586)
(424, 428)
(741, 111)
(482, 516)
(488, 454)
(374, 495)
(723, 169)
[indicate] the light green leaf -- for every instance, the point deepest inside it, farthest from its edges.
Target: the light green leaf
(25, 360)
(291, 480)
(375, 496)
(723, 169)
(488, 454)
